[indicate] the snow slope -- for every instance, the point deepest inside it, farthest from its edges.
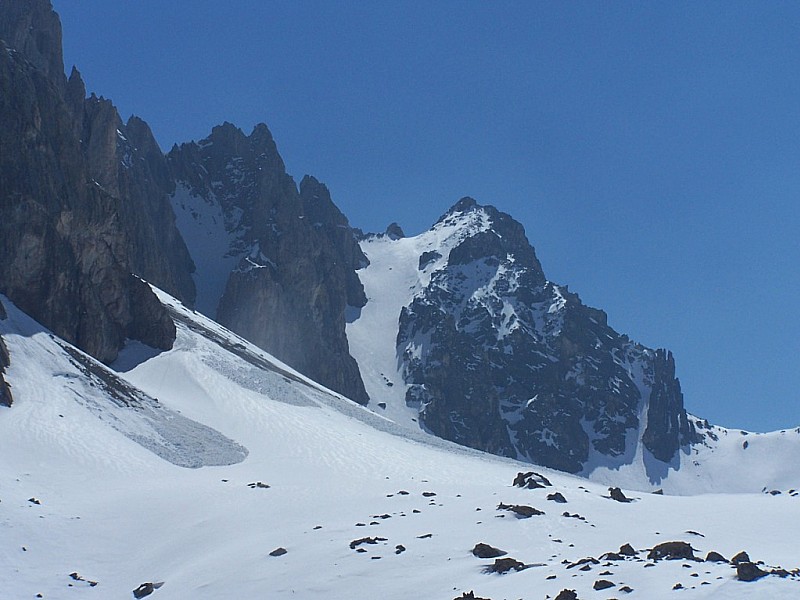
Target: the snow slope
(78, 495)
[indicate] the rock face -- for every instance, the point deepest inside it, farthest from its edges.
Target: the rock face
(5, 391)
(275, 264)
(498, 358)
(64, 252)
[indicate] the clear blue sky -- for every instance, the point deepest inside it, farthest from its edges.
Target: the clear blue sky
(652, 150)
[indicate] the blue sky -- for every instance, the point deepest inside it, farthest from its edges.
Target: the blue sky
(651, 150)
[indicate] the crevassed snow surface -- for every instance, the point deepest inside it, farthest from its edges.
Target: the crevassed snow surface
(77, 495)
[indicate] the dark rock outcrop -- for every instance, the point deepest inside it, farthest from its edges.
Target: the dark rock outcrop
(668, 427)
(294, 254)
(672, 551)
(747, 571)
(498, 358)
(63, 248)
(715, 557)
(5, 360)
(146, 589)
(616, 494)
(482, 550)
(567, 595)
(504, 565)
(741, 557)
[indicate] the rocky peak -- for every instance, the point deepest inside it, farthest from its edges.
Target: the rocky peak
(395, 232)
(498, 358)
(292, 251)
(33, 29)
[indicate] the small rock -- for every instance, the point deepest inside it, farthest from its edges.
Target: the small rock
(627, 550)
(715, 557)
(366, 540)
(557, 497)
(469, 596)
(747, 571)
(677, 586)
(382, 405)
(602, 584)
(399, 549)
(482, 550)
(520, 510)
(278, 552)
(567, 595)
(626, 589)
(672, 551)
(34, 501)
(742, 557)
(616, 494)
(146, 589)
(504, 565)
(531, 480)
(428, 494)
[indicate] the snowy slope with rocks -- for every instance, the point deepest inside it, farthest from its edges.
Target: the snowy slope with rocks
(327, 501)
(463, 335)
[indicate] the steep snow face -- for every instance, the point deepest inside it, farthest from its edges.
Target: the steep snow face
(214, 239)
(463, 336)
(362, 508)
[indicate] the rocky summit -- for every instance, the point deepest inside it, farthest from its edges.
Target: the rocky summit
(276, 264)
(495, 356)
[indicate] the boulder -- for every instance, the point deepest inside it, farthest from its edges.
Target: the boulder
(672, 551)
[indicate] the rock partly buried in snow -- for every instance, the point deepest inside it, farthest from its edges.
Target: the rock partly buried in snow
(747, 571)
(567, 595)
(482, 550)
(616, 494)
(602, 584)
(520, 510)
(627, 550)
(504, 565)
(742, 557)
(557, 497)
(366, 540)
(715, 557)
(278, 552)
(469, 596)
(5, 361)
(672, 551)
(146, 589)
(531, 480)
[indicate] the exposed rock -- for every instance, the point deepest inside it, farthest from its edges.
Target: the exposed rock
(63, 250)
(627, 550)
(278, 552)
(520, 510)
(504, 565)
(469, 596)
(742, 557)
(715, 557)
(567, 595)
(517, 366)
(747, 571)
(557, 497)
(668, 427)
(33, 29)
(395, 232)
(616, 494)
(146, 589)
(366, 540)
(531, 480)
(602, 584)
(672, 551)
(482, 550)
(6, 398)
(291, 254)
(589, 560)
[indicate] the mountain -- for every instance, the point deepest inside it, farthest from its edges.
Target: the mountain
(488, 353)
(275, 264)
(64, 252)
(219, 472)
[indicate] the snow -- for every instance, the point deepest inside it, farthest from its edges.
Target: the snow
(121, 515)
(210, 244)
